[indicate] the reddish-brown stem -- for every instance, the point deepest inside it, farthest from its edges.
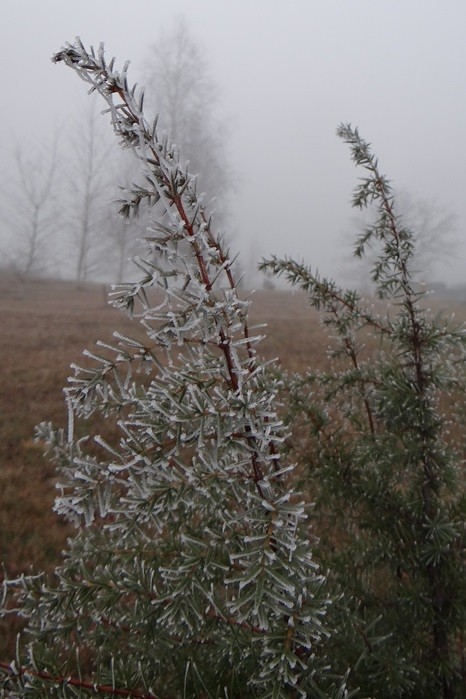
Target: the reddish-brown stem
(233, 622)
(77, 682)
(435, 571)
(352, 353)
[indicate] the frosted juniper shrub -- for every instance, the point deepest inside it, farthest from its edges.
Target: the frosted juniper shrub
(385, 471)
(191, 571)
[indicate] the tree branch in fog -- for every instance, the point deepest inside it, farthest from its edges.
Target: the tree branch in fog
(180, 88)
(434, 228)
(90, 193)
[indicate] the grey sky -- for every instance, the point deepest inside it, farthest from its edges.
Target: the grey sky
(289, 73)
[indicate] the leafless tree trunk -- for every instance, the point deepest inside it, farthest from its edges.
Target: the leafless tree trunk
(89, 186)
(180, 88)
(28, 211)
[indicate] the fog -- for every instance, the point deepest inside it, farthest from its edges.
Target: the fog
(288, 74)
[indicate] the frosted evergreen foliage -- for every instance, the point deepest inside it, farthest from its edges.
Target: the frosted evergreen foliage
(384, 464)
(190, 573)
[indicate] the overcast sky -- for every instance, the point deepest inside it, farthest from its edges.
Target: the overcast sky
(289, 72)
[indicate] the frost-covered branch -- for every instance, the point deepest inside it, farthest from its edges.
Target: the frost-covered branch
(380, 458)
(188, 527)
(175, 187)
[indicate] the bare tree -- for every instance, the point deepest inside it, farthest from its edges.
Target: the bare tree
(435, 228)
(90, 195)
(29, 213)
(180, 87)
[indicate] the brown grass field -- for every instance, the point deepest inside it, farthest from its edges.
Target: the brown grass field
(45, 327)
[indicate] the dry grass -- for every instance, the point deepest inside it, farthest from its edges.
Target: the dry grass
(45, 327)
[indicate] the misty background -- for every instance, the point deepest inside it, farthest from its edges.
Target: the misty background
(284, 75)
